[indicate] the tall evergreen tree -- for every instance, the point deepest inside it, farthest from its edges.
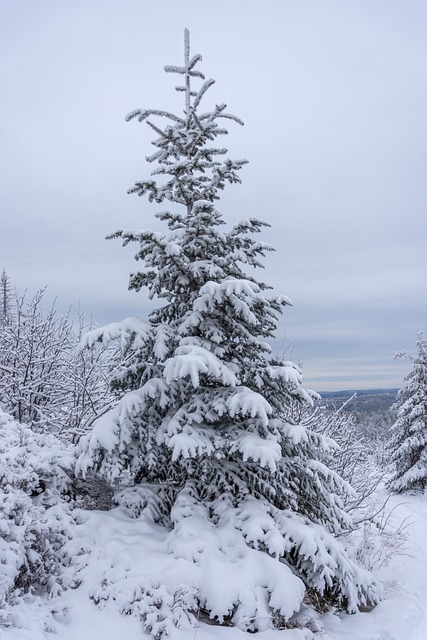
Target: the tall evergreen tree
(408, 446)
(205, 426)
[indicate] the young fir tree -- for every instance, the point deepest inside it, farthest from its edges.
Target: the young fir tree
(204, 428)
(408, 446)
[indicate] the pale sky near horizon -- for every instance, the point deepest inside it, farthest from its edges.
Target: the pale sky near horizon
(334, 99)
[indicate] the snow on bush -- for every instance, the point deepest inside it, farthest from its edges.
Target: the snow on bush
(38, 555)
(218, 562)
(45, 381)
(371, 537)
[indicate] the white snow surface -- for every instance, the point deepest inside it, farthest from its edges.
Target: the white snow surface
(120, 542)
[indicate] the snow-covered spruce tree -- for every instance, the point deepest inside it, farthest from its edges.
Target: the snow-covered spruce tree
(204, 424)
(408, 445)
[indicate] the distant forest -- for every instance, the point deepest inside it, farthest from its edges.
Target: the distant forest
(366, 400)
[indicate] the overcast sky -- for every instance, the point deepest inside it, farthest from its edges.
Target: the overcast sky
(334, 99)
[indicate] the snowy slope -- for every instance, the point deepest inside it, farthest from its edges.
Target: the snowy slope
(403, 613)
(401, 616)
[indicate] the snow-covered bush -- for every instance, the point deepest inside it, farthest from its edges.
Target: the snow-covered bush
(373, 538)
(408, 445)
(204, 429)
(377, 539)
(352, 456)
(222, 563)
(36, 524)
(45, 381)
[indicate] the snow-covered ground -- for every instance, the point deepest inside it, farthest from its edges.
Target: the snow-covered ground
(401, 616)
(403, 613)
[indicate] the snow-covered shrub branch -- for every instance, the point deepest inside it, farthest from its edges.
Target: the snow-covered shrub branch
(371, 537)
(45, 381)
(39, 549)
